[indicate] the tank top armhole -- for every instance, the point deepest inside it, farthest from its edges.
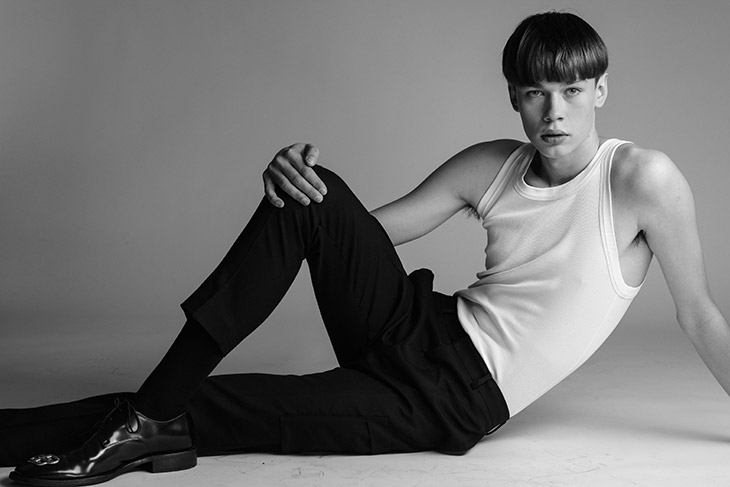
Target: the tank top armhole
(500, 180)
(608, 234)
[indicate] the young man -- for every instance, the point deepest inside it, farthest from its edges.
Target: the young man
(572, 223)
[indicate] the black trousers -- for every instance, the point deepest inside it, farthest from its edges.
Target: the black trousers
(409, 377)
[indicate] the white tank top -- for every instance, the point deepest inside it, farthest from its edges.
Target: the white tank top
(552, 290)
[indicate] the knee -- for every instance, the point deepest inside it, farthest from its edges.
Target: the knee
(335, 184)
(339, 194)
(338, 191)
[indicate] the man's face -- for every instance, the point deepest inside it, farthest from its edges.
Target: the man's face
(559, 118)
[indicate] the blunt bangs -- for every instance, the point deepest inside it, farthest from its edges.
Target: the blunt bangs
(553, 47)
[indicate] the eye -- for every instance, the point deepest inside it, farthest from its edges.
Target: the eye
(572, 91)
(533, 93)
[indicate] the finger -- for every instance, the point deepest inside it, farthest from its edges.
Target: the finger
(293, 172)
(300, 155)
(270, 192)
(311, 176)
(295, 154)
(283, 182)
(311, 154)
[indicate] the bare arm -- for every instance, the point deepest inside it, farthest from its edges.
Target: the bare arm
(667, 217)
(456, 184)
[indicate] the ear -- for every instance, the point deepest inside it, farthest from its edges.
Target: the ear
(513, 96)
(601, 90)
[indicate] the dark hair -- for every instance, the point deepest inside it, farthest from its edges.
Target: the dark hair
(555, 47)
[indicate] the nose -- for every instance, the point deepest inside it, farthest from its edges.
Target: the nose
(554, 108)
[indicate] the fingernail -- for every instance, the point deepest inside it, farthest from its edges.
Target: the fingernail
(323, 190)
(318, 199)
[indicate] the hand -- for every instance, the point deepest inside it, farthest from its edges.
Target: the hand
(291, 171)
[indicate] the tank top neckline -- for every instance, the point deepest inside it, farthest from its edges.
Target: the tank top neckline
(563, 190)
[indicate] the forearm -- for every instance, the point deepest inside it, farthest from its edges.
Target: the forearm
(711, 338)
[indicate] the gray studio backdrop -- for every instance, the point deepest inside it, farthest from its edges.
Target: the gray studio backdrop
(133, 135)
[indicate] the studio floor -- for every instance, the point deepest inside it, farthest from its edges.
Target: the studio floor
(643, 411)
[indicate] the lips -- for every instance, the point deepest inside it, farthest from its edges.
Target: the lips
(553, 136)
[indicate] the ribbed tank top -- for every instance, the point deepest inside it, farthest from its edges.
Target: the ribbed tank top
(552, 289)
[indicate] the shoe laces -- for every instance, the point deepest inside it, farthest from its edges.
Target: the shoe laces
(132, 423)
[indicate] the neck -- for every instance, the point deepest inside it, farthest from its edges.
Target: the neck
(554, 171)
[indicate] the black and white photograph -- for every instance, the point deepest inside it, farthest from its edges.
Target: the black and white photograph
(364, 243)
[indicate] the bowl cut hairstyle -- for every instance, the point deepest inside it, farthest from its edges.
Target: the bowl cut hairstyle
(553, 47)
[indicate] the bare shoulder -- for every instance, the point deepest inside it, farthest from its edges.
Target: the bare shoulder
(486, 155)
(643, 172)
(474, 168)
(646, 180)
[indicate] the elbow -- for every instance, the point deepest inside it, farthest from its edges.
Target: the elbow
(695, 322)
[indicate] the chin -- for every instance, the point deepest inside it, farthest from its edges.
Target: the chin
(553, 151)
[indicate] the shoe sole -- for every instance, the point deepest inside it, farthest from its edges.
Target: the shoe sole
(168, 462)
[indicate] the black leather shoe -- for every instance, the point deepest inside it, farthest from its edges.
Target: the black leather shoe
(124, 440)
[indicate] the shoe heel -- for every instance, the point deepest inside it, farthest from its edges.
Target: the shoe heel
(170, 462)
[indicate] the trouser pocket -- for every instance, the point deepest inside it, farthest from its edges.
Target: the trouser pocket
(335, 434)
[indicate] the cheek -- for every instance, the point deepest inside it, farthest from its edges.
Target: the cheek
(530, 116)
(590, 115)
(529, 124)
(584, 113)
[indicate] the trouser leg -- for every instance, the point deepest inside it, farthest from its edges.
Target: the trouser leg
(341, 410)
(358, 279)
(419, 387)
(338, 411)
(362, 291)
